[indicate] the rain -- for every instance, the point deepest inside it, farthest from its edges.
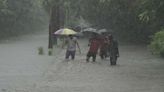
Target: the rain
(34, 45)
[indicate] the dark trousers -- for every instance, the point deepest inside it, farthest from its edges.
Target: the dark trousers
(103, 54)
(91, 54)
(70, 53)
(113, 60)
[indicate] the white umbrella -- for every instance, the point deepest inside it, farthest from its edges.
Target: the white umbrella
(92, 30)
(102, 31)
(65, 31)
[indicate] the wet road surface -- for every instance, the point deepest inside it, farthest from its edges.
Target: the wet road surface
(23, 70)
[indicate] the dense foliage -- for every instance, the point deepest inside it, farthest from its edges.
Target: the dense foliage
(157, 45)
(133, 20)
(71, 10)
(20, 16)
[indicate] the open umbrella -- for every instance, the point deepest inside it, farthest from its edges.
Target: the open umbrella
(65, 31)
(90, 30)
(103, 31)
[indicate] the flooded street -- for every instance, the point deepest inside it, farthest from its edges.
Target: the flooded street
(20, 64)
(23, 70)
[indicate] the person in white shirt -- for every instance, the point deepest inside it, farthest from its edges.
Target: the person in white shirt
(71, 43)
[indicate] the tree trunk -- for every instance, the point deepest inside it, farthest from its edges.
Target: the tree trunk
(56, 22)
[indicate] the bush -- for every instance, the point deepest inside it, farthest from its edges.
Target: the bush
(157, 44)
(40, 51)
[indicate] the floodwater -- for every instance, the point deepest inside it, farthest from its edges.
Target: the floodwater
(23, 70)
(20, 64)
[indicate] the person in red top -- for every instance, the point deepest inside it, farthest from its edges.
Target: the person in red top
(93, 49)
(104, 47)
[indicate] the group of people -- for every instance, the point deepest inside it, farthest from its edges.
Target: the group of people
(105, 45)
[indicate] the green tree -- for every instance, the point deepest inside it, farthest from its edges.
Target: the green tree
(157, 44)
(133, 20)
(21, 16)
(152, 13)
(56, 13)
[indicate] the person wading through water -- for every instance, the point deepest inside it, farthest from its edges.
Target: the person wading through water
(104, 47)
(71, 43)
(93, 48)
(113, 50)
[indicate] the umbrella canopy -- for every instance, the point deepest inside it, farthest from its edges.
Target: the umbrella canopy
(91, 30)
(65, 31)
(102, 31)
